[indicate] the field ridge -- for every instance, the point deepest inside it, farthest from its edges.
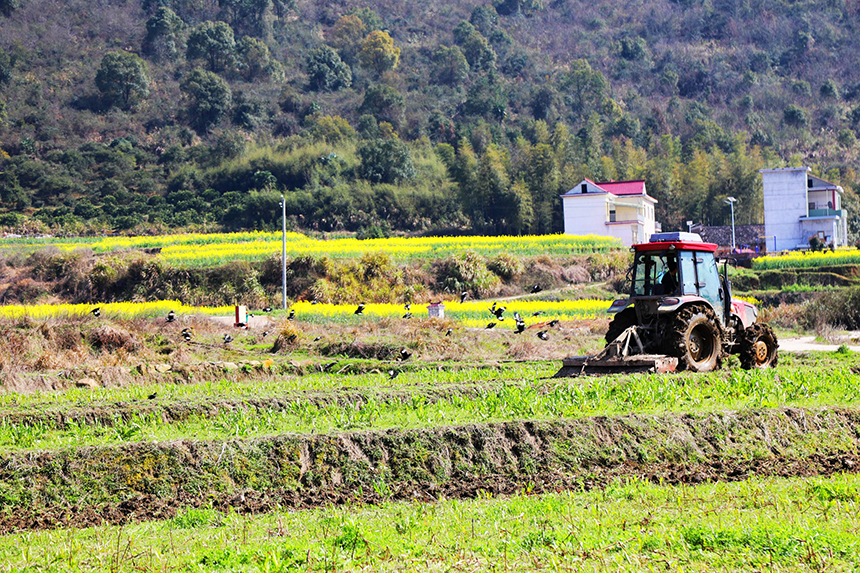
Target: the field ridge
(116, 484)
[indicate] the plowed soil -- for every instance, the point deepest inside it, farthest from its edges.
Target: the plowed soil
(89, 486)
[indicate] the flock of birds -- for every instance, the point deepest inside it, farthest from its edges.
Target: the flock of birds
(495, 310)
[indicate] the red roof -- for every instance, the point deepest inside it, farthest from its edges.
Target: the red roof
(636, 187)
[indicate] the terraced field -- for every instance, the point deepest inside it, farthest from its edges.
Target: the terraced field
(419, 463)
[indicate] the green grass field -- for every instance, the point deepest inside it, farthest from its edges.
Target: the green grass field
(630, 525)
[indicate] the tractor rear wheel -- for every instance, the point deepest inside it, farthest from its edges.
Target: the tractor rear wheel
(758, 347)
(696, 339)
(621, 322)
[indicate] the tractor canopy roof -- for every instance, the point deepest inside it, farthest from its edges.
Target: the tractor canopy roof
(676, 241)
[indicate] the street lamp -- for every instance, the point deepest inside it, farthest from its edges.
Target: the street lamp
(284, 254)
(731, 202)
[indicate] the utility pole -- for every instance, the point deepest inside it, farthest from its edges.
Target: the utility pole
(731, 202)
(284, 253)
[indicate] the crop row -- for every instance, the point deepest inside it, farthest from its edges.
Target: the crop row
(470, 313)
(204, 250)
(529, 399)
(631, 525)
(805, 259)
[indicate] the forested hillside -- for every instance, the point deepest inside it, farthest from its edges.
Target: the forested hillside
(456, 116)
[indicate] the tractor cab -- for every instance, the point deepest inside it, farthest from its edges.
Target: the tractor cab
(672, 268)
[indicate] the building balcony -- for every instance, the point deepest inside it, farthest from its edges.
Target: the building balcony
(824, 213)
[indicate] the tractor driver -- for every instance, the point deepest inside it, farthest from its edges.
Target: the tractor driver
(670, 277)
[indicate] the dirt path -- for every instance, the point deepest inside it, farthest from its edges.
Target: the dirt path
(807, 343)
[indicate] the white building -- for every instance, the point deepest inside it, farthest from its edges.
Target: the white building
(798, 205)
(619, 209)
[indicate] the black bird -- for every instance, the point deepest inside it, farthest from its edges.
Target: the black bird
(404, 354)
(537, 313)
(267, 309)
(536, 289)
(250, 316)
(318, 338)
(171, 316)
(543, 335)
(517, 317)
(265, 333)
(492, 308)
(360, 309)
(407, 315)
(499, 311)
(186, 336)
(521, 326)
(97, 311)
(553, 323)
(228, 339)
(407, 306)
(463, 296)
(392, 374)
(327, 366)
(491, 325)
(152, 396)
(450, 330)
(292, 314)
(315, 301)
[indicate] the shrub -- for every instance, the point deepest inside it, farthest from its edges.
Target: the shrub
(506, 266)
(839, 308)
(466, 271)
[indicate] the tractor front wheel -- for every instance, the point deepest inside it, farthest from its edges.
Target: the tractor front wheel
(758, 347)
(696, 339)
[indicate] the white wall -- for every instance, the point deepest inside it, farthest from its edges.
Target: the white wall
(585, 214)
(784, 203)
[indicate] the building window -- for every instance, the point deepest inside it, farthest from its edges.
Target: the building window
(811, 205)
(584, 187)
(612, 214)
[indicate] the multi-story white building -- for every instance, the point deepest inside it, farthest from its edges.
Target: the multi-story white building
(619, 209)
(798, 205)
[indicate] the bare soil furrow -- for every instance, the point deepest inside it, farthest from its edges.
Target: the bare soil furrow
(153, 480)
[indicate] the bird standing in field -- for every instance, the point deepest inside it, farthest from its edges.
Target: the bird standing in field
(265, 333)
(392, 374)
(463, 296)
(228, 339)
(537, 313)
(171, 316)
(267, 309)
(536, 289)
(327, 366)
(448, 333)
(491, 325)
(543, 335)
(97, 311)
(152, 396)
(186, 336)
(360, 309)
(553, 322)
(317, 339)
(404, 354)
(292, 315)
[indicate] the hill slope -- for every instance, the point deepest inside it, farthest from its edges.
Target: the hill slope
(411, 116)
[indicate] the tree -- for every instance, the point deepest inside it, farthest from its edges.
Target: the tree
(378, 52)
(123, 79)
(449, 66)
(213, 42)
(9, 6)
(384, 103)
(163, 34)
(326, 71)
(794, 115)
(476, 47)
(256, 61)
(208, 96)
(586, 88)
(346, 36)
(484, 19)
(385, 161)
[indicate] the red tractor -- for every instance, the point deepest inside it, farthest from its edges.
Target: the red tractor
(679, 315)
